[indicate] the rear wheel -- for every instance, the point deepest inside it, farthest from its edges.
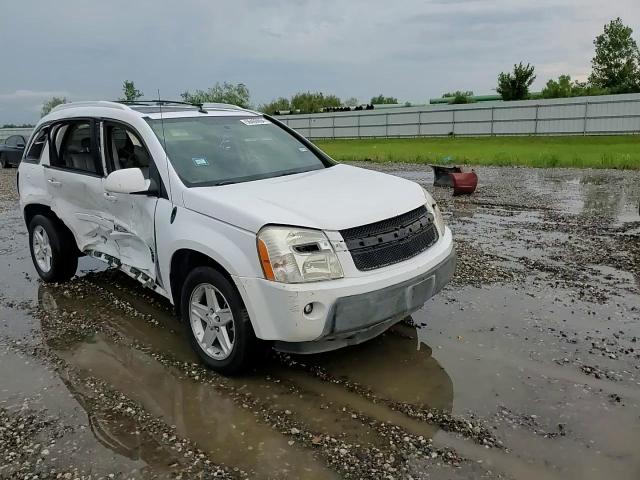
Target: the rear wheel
(52, 249)
(3, 161)
(217, 322)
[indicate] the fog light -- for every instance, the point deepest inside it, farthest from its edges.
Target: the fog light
(308, 308)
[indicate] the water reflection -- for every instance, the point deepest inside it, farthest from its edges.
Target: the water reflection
(395, 366)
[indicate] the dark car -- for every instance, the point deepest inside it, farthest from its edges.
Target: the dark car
(11, 150)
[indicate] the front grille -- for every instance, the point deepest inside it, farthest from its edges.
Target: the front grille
(390, 241)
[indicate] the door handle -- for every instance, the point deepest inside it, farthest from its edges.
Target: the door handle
(111, 198)
(53, 182)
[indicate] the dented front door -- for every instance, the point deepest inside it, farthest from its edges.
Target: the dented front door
(133, 234)
(132, 215)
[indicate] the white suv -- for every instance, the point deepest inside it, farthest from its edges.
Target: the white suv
(251, 231)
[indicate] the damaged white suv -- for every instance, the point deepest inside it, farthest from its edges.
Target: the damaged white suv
(252, 232)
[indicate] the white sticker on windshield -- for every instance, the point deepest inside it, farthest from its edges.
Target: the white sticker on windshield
(200, 162)
(255, 121)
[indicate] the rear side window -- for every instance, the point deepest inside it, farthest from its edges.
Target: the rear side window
(35, 151)
(15, 140)
(75, 147)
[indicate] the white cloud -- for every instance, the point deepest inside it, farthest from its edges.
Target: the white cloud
(27, 102)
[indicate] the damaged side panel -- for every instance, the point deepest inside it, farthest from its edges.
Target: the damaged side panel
(77, 200)
(133, 234)
(116, 228)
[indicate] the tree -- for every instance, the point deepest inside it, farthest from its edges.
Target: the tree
(51, 104)
(13, 125)
(277, 105)
(466, 93)
(515, 86)
(130, 92)
(351, 102)
(313, 102)
(235, 94)
(381, 100)
(616, 64)
(564, 88)
(459, 97)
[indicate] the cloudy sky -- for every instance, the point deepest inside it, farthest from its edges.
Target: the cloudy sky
(410, 49)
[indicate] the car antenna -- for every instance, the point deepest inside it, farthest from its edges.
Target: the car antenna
(164, 145)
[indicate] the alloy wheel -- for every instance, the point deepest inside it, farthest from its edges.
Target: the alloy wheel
(212, 321)
(42, 250)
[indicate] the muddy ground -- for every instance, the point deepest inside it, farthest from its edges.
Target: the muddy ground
(527, 366)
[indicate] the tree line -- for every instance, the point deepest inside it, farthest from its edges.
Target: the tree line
(615, 69)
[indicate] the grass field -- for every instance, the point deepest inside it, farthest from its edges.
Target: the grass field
(621, 152)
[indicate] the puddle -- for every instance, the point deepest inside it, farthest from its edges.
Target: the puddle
(216, 424)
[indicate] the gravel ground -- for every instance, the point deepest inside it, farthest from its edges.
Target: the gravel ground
(526, 366)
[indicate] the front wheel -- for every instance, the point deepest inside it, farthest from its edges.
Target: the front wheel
(52, 250)
(217, 322)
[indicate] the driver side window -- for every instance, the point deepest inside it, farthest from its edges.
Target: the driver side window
(124, 149)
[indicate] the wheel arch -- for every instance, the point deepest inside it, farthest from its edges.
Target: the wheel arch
(33, 209)
(183, 261)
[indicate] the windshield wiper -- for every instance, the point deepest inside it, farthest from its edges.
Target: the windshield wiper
(288, 173)
(224, 182)
(249, 179)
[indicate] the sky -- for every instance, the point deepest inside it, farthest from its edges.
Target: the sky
(409, 49)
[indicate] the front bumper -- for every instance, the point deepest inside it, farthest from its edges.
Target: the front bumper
(358, 318)
(349, 310)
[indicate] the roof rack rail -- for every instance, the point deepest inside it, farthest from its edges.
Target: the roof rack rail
(162, 102)
(89, 103)
(222, 106)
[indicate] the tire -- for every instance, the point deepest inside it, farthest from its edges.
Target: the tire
(59, 261)
(210, 318)
(4, 162)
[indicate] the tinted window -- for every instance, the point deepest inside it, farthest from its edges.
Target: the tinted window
(35, 151)
(75, 150)
(124, 149)
(15, 140)
(220, 150)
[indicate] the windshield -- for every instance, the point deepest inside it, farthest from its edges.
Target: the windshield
(209, 151)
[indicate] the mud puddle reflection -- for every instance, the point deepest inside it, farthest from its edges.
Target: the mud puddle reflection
(215, 423)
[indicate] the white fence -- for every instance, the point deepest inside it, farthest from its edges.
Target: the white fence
(604, 115)
(607, 114)
(7, 132)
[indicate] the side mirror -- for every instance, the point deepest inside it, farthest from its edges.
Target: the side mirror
(127, 180)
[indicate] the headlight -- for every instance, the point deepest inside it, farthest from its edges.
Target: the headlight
(296, 255)
(432, 206)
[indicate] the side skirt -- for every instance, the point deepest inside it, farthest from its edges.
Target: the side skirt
(133, 272)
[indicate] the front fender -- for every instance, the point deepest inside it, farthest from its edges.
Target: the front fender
(231, 247)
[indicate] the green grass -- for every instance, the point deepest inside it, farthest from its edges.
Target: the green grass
(622, 152)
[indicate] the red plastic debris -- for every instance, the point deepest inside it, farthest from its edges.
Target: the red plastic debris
(465, 182)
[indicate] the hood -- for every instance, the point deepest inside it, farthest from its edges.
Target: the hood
(332, 198)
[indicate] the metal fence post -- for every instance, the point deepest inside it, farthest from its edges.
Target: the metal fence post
(492, 110)
(310, 136)
(535, 125)
(386, 126)
(359, 125)
(420, 123)
(453, 122)
(586, 111)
